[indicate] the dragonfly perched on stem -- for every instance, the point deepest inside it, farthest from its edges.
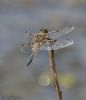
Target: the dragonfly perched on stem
(45, 40)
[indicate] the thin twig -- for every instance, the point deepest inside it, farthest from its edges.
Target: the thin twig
(54, 74)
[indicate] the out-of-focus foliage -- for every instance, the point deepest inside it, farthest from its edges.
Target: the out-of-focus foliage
(67, 80)
(44, 80)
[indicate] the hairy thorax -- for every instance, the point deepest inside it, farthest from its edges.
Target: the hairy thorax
(38, 40)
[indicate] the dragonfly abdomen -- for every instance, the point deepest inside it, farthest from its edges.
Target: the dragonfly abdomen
(31, 58)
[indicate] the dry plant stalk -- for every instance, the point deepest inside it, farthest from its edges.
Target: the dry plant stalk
(54, 74)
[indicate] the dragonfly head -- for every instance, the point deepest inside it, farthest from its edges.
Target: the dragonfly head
(44, 30)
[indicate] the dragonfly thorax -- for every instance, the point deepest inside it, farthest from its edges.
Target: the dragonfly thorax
(43, 34)
(40, 37)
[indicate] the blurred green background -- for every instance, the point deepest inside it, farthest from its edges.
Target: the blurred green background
(33, 83)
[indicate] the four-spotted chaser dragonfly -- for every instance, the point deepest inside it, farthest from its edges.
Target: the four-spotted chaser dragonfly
(45, 40)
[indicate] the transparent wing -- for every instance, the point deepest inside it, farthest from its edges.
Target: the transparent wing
(25, 48)
(56, 45)
(56, 34)
(28, 37)
(28, 43)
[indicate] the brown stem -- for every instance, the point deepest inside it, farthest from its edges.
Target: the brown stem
(54, 74)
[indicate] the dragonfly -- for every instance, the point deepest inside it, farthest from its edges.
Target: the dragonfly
(45, 40)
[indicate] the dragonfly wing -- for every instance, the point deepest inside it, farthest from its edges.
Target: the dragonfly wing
(28, 37)
(25, 48)
(44, 46)
(56, 45)
(62, 43)
(56, 34)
